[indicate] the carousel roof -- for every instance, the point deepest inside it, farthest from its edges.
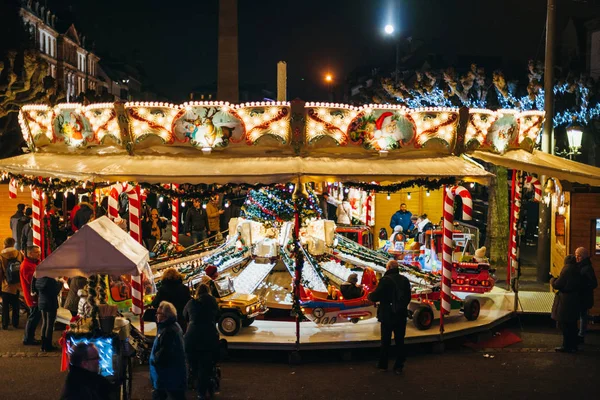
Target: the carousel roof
(217, 142)
(221, 169)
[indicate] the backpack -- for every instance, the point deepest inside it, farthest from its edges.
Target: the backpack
(399, 300)
(13, 268)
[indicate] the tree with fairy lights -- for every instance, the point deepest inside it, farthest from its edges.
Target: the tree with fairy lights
(274, 204)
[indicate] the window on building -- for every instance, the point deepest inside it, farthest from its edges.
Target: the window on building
(41, 40)
(47, 49)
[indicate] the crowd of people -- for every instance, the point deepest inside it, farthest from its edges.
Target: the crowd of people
(187, 341)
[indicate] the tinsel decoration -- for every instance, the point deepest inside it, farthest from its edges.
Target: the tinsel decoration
(102, 296)
(275, 205)
(93, 301)
(54, 185)
(425, 183)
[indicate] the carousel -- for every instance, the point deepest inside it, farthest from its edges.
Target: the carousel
(284, 255)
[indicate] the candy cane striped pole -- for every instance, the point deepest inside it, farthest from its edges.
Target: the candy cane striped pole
(12, 189)
(133, 193)
(175, 216)
(513, 252)
(448, 228)
(537, 187)
(516, 210)
(38, 214)
(369, 217)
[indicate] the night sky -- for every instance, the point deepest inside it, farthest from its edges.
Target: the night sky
(176, 41)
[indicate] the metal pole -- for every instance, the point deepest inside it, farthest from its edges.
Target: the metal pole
(543, 250)
(397, 60)
(549, 76)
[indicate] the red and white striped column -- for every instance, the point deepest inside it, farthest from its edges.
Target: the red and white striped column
(369, 220)
(38, 215)
(133, 193)
(467, 214)
(12, 189)
(513, 249)
(175, 216)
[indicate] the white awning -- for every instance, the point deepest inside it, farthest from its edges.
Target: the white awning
(543, 164)
(221, 169)
(99, 247)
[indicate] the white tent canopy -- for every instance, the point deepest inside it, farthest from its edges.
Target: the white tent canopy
(100, 247)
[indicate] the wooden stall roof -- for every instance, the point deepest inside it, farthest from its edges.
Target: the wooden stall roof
(543, 164)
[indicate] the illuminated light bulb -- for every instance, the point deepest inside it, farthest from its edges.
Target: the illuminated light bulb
(183, 204)
(427, 193)
(227, 205)
(291, 187)
(408, 196)
(204, 206)
(54, 195)
(161, 199)
(389, 196)
(472, 185)
(346, 190)
(66, 194)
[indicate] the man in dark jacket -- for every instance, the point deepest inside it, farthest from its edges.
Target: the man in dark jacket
(28, 266)
(168, 372)
(589, 283)
(350, 289)
(393, 295)
(84, 213)
(196, 222)
(83, 380)
(48, 290)
(26, 238)
(173, 290)
(567, 303)
(402, 218)
(16, 223)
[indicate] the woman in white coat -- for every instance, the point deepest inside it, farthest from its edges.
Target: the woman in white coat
(344, 213)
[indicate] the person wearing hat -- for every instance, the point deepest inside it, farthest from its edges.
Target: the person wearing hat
(211, 274)
(398, 234)
(351, 289)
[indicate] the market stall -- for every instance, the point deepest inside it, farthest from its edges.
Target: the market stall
(98, 251)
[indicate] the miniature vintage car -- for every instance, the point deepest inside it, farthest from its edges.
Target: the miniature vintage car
(325, 309)
(425, 305)
(237, 309)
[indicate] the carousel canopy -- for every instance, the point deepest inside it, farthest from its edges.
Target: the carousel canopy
(544, 164)
(99, 247)
(221, 169)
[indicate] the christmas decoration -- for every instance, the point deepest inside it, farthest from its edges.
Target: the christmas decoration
(426, 183)
(275, 205)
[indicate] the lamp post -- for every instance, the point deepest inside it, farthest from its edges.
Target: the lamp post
(328, 80)
(574, 135)
(389, 30)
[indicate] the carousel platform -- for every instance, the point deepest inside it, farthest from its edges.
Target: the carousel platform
(496, 307)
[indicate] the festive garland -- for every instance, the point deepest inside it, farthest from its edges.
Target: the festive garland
(426, 183)
(53, 185)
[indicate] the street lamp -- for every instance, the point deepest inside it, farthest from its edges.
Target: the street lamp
(574, 135)
(389, 30)
(328, 80)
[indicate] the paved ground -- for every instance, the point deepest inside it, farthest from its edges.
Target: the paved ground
(530, 369)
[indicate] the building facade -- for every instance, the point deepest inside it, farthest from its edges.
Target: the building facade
(70, 63)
